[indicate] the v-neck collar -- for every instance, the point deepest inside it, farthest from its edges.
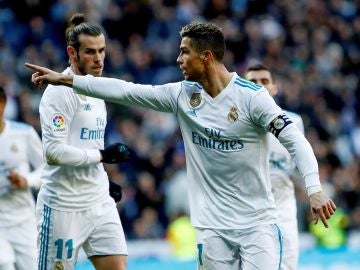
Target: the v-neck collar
(222, 93)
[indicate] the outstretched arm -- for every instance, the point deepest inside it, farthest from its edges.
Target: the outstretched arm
(157, 97)
(44, 76)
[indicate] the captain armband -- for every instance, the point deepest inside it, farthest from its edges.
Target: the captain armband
(278, 124)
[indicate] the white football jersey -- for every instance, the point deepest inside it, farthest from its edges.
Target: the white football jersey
(20, 148)
(225, 144)
(73, 128)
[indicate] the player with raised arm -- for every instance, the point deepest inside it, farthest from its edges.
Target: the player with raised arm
(21, 162)
(224, 120)
(74, 207)
(281, 170)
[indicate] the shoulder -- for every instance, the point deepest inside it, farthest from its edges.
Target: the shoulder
(57, 95)
(19, 127)
(244, 85)
(245, 90)
(190, 87)
(57, 91)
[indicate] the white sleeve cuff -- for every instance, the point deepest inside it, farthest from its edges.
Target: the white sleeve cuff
(313, 189)
(312, 183)
(93, 156)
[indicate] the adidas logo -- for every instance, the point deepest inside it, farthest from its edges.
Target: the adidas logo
(87, 107)
(192, 113)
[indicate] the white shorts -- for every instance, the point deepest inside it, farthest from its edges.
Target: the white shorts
(255, 248)
(290, 246)
(286, 205)
(18, 245)
(61, 234)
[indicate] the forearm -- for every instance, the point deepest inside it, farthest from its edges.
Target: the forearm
(161, 97)
(66, 80)
(33, 178)
(61, 154)
(303, 155)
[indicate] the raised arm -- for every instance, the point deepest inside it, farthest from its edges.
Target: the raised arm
(43, 76)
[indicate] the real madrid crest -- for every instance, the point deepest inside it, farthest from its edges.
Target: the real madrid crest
(14, 148)
(195, 100)
(59, 266)
(233, 115)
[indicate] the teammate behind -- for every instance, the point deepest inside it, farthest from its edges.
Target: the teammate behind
(281, 169)
(21, 162)
(224, 120)
(74, 207)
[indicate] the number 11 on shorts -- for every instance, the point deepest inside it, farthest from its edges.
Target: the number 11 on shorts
(60, 247)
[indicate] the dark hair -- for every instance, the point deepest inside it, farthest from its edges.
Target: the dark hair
(77, 26)
(2, 94)
(205, 36)
(258, 67)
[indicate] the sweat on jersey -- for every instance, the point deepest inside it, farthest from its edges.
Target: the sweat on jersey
(225, 144)
(21, 150)
(73, 128)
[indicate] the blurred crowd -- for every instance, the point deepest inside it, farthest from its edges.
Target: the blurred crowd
(312, 47)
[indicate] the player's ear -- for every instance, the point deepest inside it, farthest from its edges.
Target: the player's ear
(206, 55)
(71, 52)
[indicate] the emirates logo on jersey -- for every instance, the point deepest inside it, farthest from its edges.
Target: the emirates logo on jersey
(14, 148)
(233, 115)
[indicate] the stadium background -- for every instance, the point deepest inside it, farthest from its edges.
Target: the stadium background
(311, 45)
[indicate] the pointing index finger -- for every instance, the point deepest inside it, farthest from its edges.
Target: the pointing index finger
(32, 66)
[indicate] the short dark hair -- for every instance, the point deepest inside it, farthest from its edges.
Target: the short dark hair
(259, 67)
(2, 94)
(77, 26)
(205, 36)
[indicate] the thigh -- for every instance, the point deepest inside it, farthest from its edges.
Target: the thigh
(290, 246)
(23, 241)
(261, 248)
(61, 234)
(108, 237)
(215, 251)
(113, 262)
(7, 254)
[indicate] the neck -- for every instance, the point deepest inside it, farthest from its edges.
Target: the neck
(217, 78)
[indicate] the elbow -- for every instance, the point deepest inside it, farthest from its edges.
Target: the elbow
(51, 158)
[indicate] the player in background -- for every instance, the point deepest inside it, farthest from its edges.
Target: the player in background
(74, 208)
(281, 170)
(21, 162)
(224, 120)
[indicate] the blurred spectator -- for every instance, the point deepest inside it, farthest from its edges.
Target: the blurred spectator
(335, 236)
(182, 237)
